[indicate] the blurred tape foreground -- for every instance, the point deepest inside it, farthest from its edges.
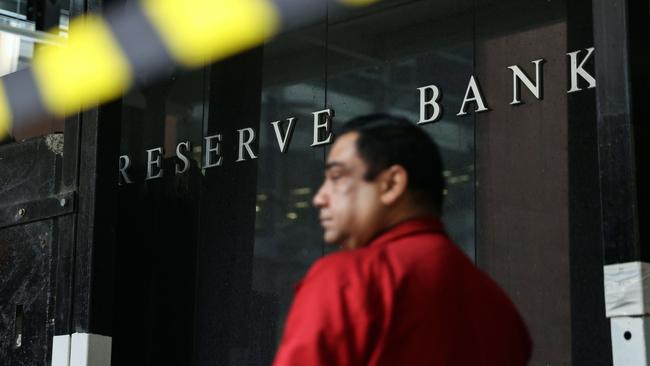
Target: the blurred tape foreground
(148, 38)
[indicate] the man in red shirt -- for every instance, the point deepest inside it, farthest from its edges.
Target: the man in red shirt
(401, 292)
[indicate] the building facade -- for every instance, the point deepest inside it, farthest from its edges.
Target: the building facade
(174, 222)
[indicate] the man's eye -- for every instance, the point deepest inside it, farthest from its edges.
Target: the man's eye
(334, 176)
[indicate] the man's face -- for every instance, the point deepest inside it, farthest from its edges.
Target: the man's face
(350, 209)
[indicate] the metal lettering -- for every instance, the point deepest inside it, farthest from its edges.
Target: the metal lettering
(246, 144)
(209, 149)
(324, 126)
(157, 163)
(518, 75)
(183, 158)
(283, 141)
(579, 70)
(125, 163)
(476, 97)
(433, 102)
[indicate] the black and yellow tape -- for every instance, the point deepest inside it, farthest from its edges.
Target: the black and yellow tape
(5, 113)
(104, 54)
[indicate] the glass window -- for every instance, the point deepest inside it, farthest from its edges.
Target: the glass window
(159, 228)
(14, 8)
(19, 40)
(16, 50)
(287, 235)
(371, 60)
(251, 229)
(376, 63)
(161, 116)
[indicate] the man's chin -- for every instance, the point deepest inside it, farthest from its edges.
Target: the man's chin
(328, 240)
(331, 238)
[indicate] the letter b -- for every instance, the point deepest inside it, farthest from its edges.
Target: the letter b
(433, 102)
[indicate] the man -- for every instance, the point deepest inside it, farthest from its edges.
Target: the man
(400, 293)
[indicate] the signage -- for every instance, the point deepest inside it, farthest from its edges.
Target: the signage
(430, 112)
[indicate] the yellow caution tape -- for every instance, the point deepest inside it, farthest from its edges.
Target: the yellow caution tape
(211, 29)
(358, 2)
(5, 114)
(90, 68)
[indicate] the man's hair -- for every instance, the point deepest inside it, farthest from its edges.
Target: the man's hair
(386, 140)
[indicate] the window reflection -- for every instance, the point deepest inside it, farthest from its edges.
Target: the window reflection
(370, 62)
(14, 8)
(19, 40)
(15, 52)
(163, 115)
(288, 238)
(357, 64)
(383, 76)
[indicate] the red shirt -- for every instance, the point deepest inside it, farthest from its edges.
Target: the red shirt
(411, 297)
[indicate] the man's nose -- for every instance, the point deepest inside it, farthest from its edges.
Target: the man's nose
(320, 197)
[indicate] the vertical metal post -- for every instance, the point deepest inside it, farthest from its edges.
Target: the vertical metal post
(617, 43)
(590, 331)
(85, 305)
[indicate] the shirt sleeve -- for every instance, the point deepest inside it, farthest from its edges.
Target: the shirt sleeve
(329, 322)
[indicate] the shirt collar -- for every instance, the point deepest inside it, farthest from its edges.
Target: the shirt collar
(409, 227)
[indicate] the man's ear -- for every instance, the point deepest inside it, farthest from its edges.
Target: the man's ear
(394, 182)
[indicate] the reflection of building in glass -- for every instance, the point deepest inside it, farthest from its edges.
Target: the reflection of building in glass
(14, 8)
(16, 48)
(19, 38)
(354, 79)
